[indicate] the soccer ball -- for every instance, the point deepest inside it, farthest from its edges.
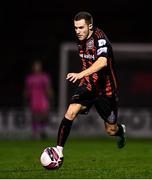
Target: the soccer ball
(50, 158)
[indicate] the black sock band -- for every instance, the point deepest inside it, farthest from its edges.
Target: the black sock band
(64, 131)
(120, 130)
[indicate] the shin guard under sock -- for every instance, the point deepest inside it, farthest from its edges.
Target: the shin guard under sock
(64, 131)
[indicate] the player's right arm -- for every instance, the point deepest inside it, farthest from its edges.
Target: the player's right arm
(100, 63)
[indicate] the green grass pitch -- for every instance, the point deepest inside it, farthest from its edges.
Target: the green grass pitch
(91, 158)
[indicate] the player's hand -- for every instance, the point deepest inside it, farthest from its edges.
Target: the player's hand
(73, 77)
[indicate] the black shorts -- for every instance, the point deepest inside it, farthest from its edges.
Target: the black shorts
(106, 106)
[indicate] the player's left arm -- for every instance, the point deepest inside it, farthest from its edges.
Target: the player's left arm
(95, 67)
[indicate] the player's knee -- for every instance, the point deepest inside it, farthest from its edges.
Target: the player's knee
(71, 115)
(72, 111)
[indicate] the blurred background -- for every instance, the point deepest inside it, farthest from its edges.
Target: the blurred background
(43, 30)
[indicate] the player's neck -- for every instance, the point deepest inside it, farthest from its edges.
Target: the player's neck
(90, 34)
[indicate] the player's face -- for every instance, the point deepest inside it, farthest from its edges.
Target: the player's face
(37, 67)
(82, 29)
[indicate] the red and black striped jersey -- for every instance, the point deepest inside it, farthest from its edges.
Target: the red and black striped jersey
(105, 80)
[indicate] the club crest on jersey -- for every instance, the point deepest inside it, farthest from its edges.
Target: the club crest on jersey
(89, 44)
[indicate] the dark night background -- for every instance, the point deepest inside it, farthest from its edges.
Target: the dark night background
(35, 29)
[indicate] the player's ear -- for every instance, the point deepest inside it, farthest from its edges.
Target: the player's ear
(90, 26)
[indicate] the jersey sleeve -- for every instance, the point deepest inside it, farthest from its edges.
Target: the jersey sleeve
(101, 47)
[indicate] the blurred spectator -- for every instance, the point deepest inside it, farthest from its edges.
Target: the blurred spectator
(39, 98)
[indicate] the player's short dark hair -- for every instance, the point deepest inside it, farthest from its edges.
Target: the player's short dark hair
(84, 15)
